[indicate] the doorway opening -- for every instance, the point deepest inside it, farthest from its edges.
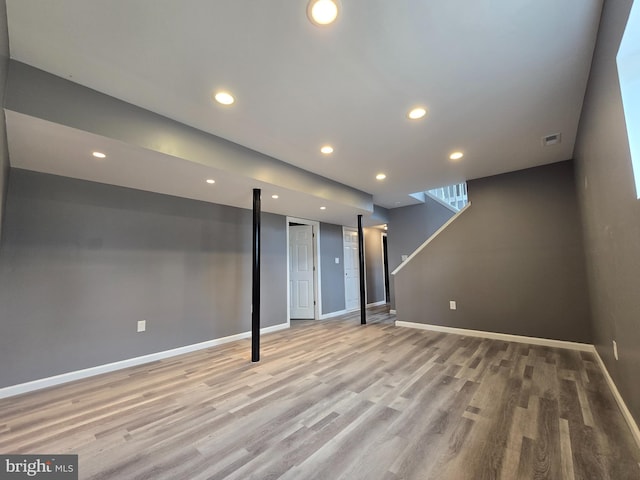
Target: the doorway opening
(351, 269)
(303, 270)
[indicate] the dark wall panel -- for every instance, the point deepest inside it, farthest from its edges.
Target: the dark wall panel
(374, 265)
(332, 287)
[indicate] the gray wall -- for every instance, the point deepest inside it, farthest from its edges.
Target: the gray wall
(82, 262)
(374, 265)
(332, 282)
(409, 227)
(611, 211)
(4, 63)
(514, 261)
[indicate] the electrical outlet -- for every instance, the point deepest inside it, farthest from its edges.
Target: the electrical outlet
(142, 325)
(615, 350)
(452, 305)
(337, 260)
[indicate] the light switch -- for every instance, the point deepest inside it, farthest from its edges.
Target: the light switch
(337, 261)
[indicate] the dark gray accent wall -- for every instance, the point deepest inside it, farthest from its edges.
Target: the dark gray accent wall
(513, 261)
(611, 211)
(374, 265)
(332, 282)
(82, 262)
(410, 227)
(4, 152)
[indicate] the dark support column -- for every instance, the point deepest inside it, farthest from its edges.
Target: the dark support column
(363, 300)
(255, 291)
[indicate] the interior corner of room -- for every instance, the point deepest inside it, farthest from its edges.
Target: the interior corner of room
(103, 271)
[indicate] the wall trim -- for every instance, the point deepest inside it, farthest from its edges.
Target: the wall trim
(431, 238)
(39, 384)
(325, 316)
(633, 426)
(339, 313)
(546, 342)
(377, 304)
(440, 201)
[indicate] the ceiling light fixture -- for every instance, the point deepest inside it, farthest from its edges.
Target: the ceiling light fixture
(381, 176)
(327, 149)
(275, 197)
(225, 98)
(417, 113)
(456, 155)
(323, 208)
(322, 12)
(211, 181)
(99, 155)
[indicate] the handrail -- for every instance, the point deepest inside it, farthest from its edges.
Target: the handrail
(430, 239)
(453, 197)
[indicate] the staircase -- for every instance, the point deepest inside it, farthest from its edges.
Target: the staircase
(452, 196)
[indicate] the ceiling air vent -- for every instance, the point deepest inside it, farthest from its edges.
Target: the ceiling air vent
(552, 139)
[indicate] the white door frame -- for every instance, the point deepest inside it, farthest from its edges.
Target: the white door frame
(317, 291)
(353, 229)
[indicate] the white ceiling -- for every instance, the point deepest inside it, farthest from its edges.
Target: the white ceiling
(495, 75)
(63, 150)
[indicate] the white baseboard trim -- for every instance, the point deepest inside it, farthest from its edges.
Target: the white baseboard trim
(338, 313)
(546, 342)
(633, 426)
(583, 347)
(376, 304)
(324, 316)
(393, 311)
(130, 362)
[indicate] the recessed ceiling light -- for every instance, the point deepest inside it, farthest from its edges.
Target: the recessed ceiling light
(322, 12)
(327, 149)
(456, 155)
(225, 98)
(275, 196)
(211, 181)
(99, 155)
(381, 176)
(417, 113)
(323, 208)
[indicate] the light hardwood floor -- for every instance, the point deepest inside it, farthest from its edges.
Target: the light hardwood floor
(333, 399)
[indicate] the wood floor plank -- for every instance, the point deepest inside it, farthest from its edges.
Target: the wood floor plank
(333, 399)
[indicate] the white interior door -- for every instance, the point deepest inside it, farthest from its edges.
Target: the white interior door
(301, 271)
(351, 270)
